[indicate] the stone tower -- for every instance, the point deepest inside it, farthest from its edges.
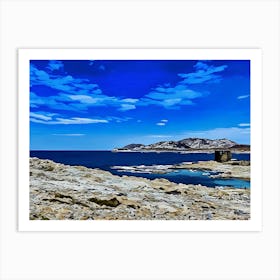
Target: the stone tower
(222, 156)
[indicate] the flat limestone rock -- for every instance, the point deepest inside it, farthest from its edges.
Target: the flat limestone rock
(63, 192)
(234, 169)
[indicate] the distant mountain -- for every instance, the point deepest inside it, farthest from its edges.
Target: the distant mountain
(188, 144)
(133, 146)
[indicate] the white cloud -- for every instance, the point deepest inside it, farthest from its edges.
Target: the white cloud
(82, 98)
(173, 97)
(161, 124)
(130, 100)
(41, 116)
(201, 65)
(127, 107)
(118, 119)
(55, 65)
(170, 97)
(75, 120)
(80, 94)
(244, 124)
(69, 134)
(239, 134)
(204, 73)
(243, 96)
(80, 121)
(73, 93)
(164, 121)
(65, 83)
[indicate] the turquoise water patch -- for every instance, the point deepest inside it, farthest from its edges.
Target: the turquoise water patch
(194, 177)
(236, 183)
(192, 173)
(105, 159)
(202, 177)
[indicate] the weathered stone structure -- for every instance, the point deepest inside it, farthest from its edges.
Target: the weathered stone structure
(222, 156)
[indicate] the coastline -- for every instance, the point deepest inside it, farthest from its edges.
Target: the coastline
(61, 192)
(177, 151)
(227, 170)
(230, 170)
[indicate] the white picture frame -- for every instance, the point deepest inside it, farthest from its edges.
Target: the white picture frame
(189, 24)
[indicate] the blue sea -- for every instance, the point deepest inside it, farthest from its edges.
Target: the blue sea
(107, 159)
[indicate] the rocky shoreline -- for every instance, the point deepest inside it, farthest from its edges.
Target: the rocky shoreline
(196, 151)
(62, 192)
(231, 169)
(226, 170)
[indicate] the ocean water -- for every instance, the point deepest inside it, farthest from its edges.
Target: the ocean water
(106, 159)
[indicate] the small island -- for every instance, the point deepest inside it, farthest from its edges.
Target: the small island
(188, 145)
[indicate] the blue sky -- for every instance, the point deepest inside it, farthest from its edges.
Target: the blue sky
(103, 104)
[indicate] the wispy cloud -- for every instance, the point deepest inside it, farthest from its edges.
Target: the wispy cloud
(237, 134)
(160, 123)
(126, 107)
(72, 93)
(55, 102)
(46, 118)
(41, 116)
(51, 118)
(173, 97)
(170, 97)
(69, 121)
(79, 121)
(64, 83)
(203, 73)
(130, 100)
(119, 119)
(68, 134)
(54, 65)
(82, 98)
(244, 124)
(243, 96)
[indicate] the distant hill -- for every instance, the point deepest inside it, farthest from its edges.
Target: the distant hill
(188, 144)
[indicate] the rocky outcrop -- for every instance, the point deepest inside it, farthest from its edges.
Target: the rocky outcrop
(60, 192)
(133, 146)
(222, 156)
(229, 170)
(188, 144)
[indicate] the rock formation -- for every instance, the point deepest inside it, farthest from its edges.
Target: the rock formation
(188, 144)
(61, 192)
(222, 156)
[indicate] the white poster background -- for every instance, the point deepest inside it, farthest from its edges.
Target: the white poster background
(140, 24)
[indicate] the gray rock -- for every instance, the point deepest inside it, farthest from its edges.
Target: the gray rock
(62, 192)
